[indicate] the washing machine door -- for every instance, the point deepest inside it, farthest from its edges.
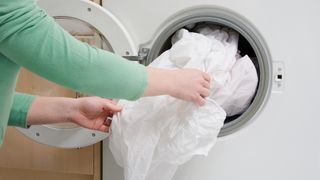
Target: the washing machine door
(80, 17)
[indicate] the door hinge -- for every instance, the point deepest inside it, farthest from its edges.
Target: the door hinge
(142, 56)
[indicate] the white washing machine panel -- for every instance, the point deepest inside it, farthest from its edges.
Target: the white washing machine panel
(283, 140)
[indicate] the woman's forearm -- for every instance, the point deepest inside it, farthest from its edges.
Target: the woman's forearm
(46, 110)
(159, 82)
(88, 112)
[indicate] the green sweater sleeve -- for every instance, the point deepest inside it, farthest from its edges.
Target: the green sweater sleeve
(19, 109)
(32, 39)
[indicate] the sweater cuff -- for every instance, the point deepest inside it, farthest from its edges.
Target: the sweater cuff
(19, 110)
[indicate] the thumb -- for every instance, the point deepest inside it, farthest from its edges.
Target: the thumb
(111, 106)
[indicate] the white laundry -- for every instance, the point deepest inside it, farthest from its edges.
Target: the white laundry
(152, 136)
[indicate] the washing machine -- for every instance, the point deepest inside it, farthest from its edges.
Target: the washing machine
(277, 137)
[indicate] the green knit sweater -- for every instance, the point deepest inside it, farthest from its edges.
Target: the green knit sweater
(30, 38)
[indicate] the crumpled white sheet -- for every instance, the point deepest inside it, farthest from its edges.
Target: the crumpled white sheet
(152, 136)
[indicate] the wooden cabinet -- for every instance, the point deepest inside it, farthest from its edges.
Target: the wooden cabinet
(22, 158)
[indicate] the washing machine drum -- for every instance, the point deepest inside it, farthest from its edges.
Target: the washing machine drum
(109, 34)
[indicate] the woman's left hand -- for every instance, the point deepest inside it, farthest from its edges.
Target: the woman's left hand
(94, 113)
(88, 112)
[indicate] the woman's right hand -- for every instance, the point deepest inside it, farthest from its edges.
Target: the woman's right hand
(190, 85)
(186, 84)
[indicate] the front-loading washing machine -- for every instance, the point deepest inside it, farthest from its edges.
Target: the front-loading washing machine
(277, 137)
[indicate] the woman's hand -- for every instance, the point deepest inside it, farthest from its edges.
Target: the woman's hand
(187, 84)
(190, 85)
(88, 112)
(94, 113)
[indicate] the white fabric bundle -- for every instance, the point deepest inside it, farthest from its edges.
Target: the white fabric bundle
(152, 136)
